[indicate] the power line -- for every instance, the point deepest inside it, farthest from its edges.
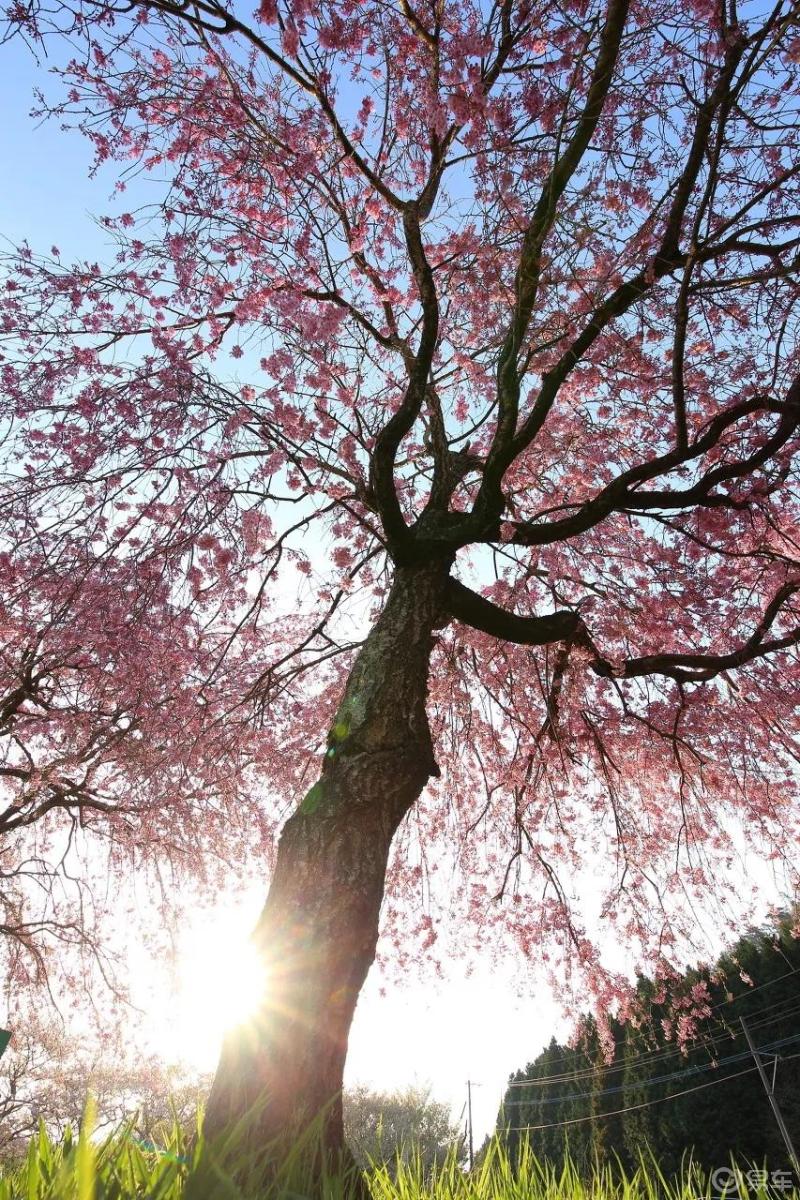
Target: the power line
(719, 1028)
(753, 990)
(714, 1008)
(648, 1057)
(644, 1104)
(630, 1107)
(656, 1079)
(790, 1008)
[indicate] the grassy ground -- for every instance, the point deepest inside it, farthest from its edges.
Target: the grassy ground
(181, 1168)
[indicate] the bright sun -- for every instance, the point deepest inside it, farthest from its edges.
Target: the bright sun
(220, 983)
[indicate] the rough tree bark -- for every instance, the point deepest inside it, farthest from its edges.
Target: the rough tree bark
(319, 927)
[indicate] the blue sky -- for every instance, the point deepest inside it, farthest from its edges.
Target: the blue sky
(47, 194)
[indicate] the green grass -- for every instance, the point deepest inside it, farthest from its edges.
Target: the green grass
(178, 1166)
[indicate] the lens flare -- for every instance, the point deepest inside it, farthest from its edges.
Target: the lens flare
(222, 983)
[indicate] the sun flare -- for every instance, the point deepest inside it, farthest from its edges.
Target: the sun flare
(221, 983)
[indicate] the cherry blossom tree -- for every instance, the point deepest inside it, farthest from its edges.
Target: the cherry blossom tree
(422, 471)
(100, 770)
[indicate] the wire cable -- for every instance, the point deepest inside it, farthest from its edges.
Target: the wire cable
(644, 1104)
(656, 1079)
(718, 1032)
(714, 1008)
(751, 991)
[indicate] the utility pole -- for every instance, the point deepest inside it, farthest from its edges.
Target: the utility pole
(771, 1097)
(469, 1122)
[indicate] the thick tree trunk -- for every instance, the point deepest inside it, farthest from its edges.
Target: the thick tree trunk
(319, 927)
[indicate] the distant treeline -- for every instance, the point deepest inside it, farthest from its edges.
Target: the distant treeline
(579, 1092)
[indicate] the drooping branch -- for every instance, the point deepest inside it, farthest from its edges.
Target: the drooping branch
(623, 494)
(479, 613)
(697, 668)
